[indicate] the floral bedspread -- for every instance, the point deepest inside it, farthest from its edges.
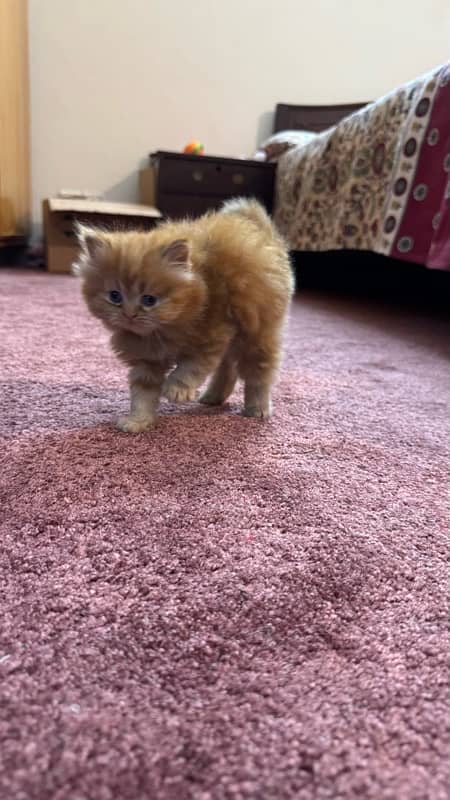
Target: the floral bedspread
(379, 180)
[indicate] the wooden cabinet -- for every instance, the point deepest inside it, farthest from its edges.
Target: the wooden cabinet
(14, 123)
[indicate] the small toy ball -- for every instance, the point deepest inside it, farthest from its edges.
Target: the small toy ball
(195, 148)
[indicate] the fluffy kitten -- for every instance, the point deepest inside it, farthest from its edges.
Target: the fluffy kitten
(188, 300)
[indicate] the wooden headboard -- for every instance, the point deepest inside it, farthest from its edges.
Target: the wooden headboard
(311, 118)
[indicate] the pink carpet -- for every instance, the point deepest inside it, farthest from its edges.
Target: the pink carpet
(223, 608)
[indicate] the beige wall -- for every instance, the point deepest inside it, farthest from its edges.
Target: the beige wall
(112, 80)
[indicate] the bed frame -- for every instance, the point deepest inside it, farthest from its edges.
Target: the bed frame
(311, 118)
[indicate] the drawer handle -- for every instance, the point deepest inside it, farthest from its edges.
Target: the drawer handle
(238, 178)
(197, 175)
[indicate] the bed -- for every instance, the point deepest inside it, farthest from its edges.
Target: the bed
(371, 177)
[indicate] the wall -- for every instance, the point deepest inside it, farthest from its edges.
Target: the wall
(113, 80)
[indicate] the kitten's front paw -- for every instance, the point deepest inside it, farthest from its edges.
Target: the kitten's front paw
(178, 392)
(211, 398)
(132, 424)
(260, 412)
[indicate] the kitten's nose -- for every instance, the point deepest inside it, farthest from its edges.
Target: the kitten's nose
(129, 316)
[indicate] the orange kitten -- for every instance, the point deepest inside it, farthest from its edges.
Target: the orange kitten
(192, 299)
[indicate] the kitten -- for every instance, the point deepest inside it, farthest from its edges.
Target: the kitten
(188, 300)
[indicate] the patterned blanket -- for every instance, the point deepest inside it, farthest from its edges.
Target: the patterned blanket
(379, 180)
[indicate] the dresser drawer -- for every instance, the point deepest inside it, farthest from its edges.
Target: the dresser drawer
(199, 176)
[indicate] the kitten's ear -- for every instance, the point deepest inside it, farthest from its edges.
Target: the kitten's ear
(92, 245)
(177, 254)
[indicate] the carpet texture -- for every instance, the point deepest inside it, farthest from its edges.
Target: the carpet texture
(223, 608)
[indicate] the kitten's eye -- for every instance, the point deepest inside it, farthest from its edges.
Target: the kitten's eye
(148, 300)
(115, 297)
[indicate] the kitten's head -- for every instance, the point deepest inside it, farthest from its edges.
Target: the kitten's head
(139, 282)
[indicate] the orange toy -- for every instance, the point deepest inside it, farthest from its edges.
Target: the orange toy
(194, 147)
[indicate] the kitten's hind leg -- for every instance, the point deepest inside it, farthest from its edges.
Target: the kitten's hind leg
(222, 382)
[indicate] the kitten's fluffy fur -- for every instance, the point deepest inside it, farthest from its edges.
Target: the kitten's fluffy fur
(222, 285)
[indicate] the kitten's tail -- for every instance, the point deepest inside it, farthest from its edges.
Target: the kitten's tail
(250, 209)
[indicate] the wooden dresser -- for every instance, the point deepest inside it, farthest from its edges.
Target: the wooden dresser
(14, 124)
(189, 185)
